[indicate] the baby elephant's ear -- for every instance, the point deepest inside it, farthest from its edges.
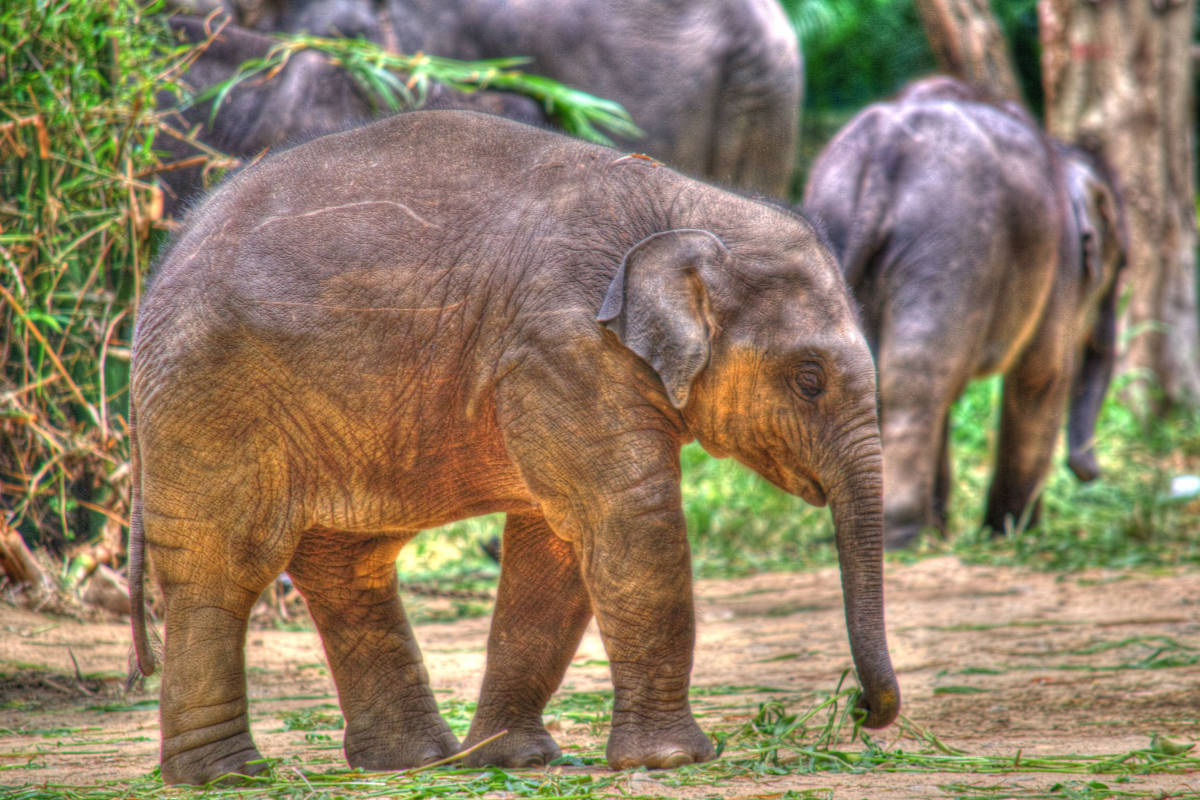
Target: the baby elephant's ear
(657, 305)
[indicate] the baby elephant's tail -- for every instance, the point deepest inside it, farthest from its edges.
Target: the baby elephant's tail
(145, 663)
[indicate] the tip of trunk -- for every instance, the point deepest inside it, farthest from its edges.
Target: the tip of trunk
(1083, 464)
(881, 704)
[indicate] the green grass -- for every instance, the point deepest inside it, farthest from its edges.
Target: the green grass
(764, 741)
(1125, 519)
(312, 719)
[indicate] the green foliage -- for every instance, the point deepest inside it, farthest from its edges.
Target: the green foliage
(80, 218)
(77, 218)
(1018, 20)
(397, 81)
(858, 51)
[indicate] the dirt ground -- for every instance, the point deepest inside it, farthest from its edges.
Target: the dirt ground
(1085, 664)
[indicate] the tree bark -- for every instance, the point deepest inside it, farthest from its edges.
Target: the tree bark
(968, 44)
(1118, 81)
(17, 563)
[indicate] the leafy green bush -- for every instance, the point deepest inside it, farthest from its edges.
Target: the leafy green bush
(78, 222)
(80, 218)
(858, 51)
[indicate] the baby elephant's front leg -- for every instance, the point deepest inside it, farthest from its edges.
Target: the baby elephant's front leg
(542, 610)
(637, 567)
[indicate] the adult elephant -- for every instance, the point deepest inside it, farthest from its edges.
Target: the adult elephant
(309, 97)
(975, 245)
(715, 85)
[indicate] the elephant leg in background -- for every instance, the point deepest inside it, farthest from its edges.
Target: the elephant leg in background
(1033, 407)
(757, 114)
(205, 726)
(754, 147)
(350, 585)
(945, 479)
(756, 154)
(916, 389)
(542, 609)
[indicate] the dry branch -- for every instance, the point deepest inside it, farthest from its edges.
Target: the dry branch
(18, 563)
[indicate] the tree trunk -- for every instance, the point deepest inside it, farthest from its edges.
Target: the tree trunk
(968, 44)
(1118, 81)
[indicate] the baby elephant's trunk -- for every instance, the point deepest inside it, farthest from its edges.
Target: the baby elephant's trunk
(857, 505)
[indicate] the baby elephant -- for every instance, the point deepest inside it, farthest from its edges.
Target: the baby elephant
(976, 246)
(445, 314)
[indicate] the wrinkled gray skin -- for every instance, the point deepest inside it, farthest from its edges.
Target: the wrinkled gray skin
(975, 246)
(446, 314)
(716, 84)
(309, 97)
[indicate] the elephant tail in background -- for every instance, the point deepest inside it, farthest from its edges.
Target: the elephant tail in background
(869, 229)
(145, 663)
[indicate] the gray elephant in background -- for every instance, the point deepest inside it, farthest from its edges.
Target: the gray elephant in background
(975, 245)
(310, 97)
(715, 85)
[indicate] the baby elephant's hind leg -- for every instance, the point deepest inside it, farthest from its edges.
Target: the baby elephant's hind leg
(349, 582)
(205, 727)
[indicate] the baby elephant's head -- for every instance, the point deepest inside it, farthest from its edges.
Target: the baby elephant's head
(755, 341)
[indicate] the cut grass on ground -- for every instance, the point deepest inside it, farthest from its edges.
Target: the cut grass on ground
(767, 740)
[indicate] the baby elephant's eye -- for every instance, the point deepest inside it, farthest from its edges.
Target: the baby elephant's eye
(808, 379)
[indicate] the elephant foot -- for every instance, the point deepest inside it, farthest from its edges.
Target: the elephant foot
(525, 746)
(899, 537)
(221, 761)
(1083, 463)
(389, 751)
(631, 745)
(1002, 523)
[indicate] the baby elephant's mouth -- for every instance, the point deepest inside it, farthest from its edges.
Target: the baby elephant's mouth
(796, 481)
(809, 489)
